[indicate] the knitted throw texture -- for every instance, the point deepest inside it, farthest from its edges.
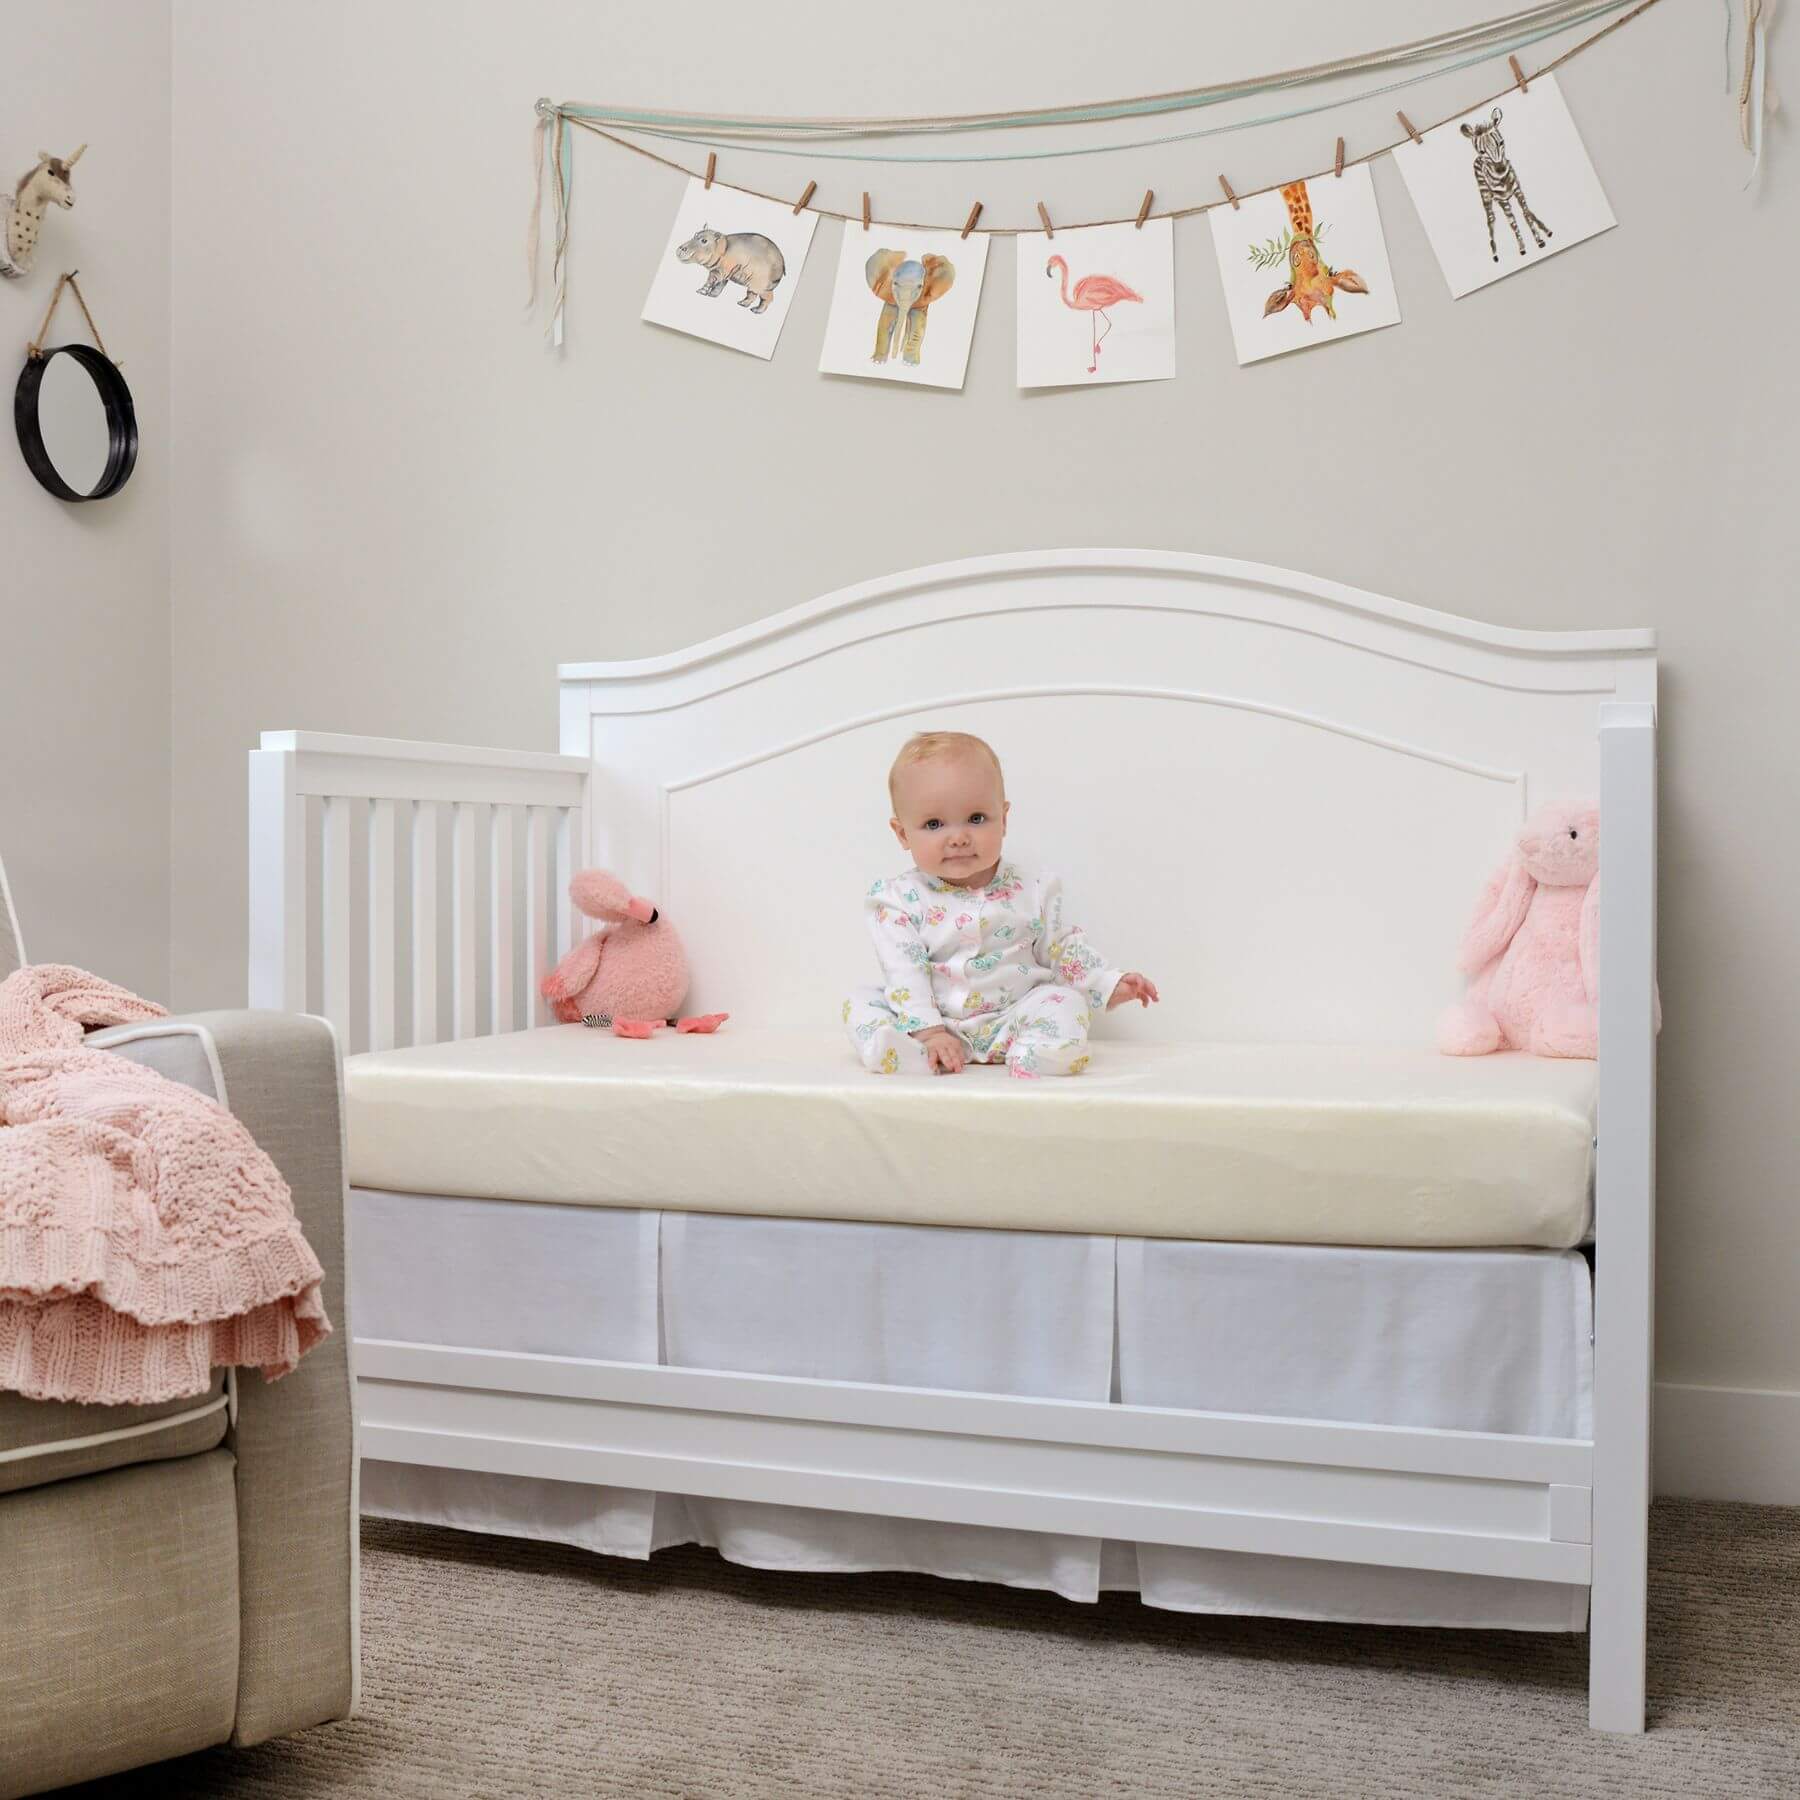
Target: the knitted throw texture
(144, 1237)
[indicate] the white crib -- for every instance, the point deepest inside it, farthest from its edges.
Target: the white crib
(1276, 794)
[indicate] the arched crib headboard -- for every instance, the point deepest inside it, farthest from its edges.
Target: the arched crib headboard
(1275, 794)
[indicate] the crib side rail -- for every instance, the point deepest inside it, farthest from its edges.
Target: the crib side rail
(410, 892)
(1624, 1214)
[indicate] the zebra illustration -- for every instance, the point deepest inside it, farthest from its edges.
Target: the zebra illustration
(1498, 182)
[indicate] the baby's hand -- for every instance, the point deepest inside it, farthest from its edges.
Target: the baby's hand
(1133, 986)
(944, 1049)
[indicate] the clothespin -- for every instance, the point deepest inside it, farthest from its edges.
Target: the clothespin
(1144, 209)
(1518, 75)
(969, 222)
(1339, 170)
(712, 162)
(1229, 195)
(1404, 120)
(865, 212)
(1044, 215)
(806, 196)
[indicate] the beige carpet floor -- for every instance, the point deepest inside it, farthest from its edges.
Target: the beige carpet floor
(495, 1667)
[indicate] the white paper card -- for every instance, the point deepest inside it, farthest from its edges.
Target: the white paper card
(1504, 186)
(1305, 265)
(1097, 305)
(903, 305)
(730, 267)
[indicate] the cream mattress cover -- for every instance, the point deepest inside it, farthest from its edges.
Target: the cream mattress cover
(1257, 1143)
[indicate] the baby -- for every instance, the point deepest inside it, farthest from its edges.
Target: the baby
(979, 964)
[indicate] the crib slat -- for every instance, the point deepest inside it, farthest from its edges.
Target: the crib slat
(334, 947)
(500, 921)
(463, 996)
(424, 922)
(538, 935)
(381, 925)
(566, 916)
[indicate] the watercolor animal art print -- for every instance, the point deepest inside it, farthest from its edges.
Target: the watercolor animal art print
(1322, 241)
(1093, 295)
(729, 246)
(753, 261)
(1468, 178)
(1312, 281)
(1097, 305)
(903, 305)
(1498, 184)
(906, 289)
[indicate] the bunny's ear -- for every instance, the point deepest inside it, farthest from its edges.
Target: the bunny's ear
(1498, 914)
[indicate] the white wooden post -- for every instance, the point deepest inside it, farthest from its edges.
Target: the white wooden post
(568, 925)
(334, 934)
(463, 1010)
(424, 921)
(539, 934)
(1624, 1215)
(500, 920)
(381, 924)
(277, 883)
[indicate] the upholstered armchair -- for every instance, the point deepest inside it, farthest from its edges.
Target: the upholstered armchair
(183, 1575)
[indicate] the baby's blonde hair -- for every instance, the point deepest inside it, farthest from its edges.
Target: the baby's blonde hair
(928, 746)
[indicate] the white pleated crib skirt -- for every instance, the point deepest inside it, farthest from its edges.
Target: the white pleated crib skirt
(1475, 1340)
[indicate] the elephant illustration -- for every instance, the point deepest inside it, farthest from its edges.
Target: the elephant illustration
(905, 287)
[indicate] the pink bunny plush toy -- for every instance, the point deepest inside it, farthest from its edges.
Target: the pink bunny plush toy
(632, 976)
(1533, 948)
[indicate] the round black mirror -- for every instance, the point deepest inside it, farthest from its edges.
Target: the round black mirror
(75, 421)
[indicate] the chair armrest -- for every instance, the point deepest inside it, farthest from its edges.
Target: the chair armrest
(278, 1074)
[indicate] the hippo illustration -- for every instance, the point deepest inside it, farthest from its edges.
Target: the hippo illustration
(753, 261)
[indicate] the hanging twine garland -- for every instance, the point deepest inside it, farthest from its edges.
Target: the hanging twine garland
(1484, 39)
(1756, 99)
(554, 120)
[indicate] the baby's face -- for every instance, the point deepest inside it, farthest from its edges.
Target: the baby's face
(952, 817)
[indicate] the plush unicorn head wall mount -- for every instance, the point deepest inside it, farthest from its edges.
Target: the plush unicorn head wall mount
(47, 183)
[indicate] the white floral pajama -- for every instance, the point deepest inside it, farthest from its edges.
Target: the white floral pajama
(996, 965)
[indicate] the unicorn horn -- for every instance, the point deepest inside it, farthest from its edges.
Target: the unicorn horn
(73, 160)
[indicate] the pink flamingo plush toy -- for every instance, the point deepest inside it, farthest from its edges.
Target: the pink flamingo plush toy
(1533, 948)
(632, 976)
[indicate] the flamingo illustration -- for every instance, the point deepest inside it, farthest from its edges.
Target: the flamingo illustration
(1093, 295)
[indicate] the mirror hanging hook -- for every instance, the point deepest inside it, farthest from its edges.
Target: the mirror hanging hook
(34, 348)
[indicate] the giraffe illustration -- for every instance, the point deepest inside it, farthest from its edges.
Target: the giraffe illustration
(1311, 279)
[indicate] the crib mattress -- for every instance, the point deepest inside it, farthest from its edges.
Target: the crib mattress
(1236, 1142)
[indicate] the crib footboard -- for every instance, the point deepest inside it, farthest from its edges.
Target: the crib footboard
(410, 892)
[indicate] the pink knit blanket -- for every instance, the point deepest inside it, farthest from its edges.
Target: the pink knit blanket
(144, 1236)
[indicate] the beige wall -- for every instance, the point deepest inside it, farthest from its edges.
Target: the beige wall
(84, 590)
(395, 512)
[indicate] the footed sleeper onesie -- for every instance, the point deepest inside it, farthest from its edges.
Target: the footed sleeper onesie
(996, 965)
